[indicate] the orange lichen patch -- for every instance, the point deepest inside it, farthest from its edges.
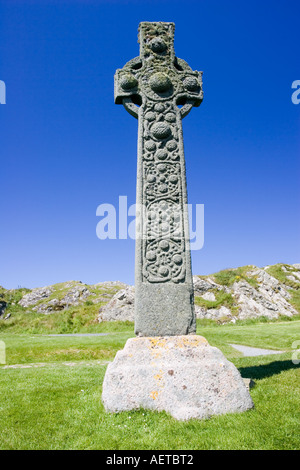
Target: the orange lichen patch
(159, 378)
(166, 342)
(154, 395)
(190, 341)
(157, 342)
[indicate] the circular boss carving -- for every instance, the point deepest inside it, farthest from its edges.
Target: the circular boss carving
(158, 45)
(160, 82)
(161, 130)
(191, 83)
(128, 81)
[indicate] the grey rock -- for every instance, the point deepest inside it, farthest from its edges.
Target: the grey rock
(201, 286)
(218, 314)
(221, 313)
(267, 301)
(75, 296)
(35, 296)
(77, 293)
(182, 375)
(209, 296)
(200, 312)
(110, 284)
(70, 284)
(120, 307)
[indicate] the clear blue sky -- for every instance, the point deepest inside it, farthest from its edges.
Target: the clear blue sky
(66, 147)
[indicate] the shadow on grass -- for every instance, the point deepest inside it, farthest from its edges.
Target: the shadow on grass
(267, 370)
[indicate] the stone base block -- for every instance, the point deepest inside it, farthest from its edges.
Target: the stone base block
(182, 375)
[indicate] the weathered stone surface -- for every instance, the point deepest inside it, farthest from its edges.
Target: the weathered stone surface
(182, 375)
(159, 81)
(120, 307)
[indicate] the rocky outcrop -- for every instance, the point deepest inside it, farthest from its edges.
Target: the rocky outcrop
(61, 296)
(267, 297)
(254, 293)
(228, 295)
(35, 296)
(120, 307)
(75, 296)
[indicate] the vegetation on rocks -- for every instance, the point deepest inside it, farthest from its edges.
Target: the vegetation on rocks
(228, 277)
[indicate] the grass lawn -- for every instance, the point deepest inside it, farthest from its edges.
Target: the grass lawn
(52, 398)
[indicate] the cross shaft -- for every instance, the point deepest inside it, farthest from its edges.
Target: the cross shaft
(152, 87)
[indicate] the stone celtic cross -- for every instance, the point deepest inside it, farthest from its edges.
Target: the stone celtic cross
(160, 89)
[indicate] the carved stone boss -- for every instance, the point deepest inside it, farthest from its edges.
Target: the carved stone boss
(160, 89)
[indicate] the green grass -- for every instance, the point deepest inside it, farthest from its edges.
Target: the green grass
(24, 349)
(271, 335)
(222, 298)
(74, 418)
(59, 406)
(295, 300)
(227, 277)
(81, 318)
